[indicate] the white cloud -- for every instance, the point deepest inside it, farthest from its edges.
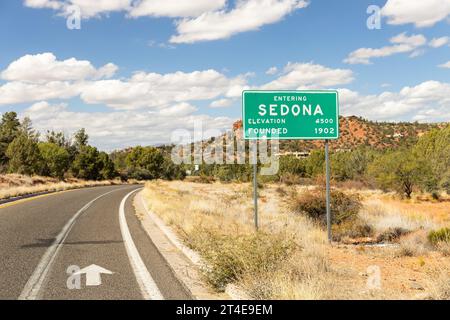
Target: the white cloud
(19, 92)
(43, 77)
(39, 4)
(439, 42)
(401, 43)
(309, 75)
(113, 130)
(137, 8)
(417, 53)
(445, 65)
(272, 70)
(44, 67)
(221, 103)
(174, 8)
(427, 101)
(153, 89)
(424, 13)
(177, 110)
(245, 16)
(91, 8)
(201, 20)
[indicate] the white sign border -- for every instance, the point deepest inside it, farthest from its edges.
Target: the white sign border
(293, 91)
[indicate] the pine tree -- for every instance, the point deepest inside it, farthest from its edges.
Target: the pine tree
(9, 130)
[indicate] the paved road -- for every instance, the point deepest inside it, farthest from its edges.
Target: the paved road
(41, 238)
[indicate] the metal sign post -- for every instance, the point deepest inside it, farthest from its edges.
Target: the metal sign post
(327, 173)
(291, 114)
(255, 188)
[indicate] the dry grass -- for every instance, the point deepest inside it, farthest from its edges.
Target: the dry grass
(414, 245)
(14, 185)
(384, 216)
(217, 221)
(439, 283)
(290, 257)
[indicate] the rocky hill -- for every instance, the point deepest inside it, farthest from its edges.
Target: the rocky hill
(356, 131)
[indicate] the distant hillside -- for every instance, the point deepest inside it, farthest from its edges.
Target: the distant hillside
(356, 131)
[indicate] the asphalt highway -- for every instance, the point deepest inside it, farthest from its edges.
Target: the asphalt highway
(81, 244)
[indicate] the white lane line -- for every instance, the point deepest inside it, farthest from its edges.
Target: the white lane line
(34, 283)
(149, 289)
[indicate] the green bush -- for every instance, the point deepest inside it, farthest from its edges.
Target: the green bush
(56, 159)
(24, 156)
(441, 235)
(343, 206)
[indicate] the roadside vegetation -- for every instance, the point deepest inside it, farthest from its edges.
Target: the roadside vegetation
(390, 209)
(57, 162)
(422, 166)
(15, 185)
(289, 257)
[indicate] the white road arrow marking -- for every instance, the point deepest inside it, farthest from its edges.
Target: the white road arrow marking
(93, 274)
(32, 288)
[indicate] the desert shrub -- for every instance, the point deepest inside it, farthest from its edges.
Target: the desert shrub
(351, 228)
(444, 248)
(281, 191)
(392, 234)
(441, 235)
(435, 195)
(414, 244)
(439, 283)
(200, 179)
(230, 257)
(445, 182)
(354, 184)
(290, 179)
(343, 206)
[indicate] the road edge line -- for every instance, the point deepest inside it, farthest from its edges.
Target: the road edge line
(34, 283)
(193, 256)
(232, 291)
(149, 289)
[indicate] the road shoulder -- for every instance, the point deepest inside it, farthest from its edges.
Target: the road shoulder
(187, 272)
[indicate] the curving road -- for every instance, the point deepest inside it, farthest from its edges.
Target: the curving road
(41, 238)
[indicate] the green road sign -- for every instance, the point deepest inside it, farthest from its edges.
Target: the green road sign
(290, 114)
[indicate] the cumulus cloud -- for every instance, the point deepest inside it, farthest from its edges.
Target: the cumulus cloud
(199, 20)
(271, 71)
(137, 8)
(309, 75)
(20, 92)
(246, 16)
(154, 89)
(39, 4)
(439, 42)
(43, 77)
(445, 65)
(401, 43)
(119, 129)
(221, 103)
(427, 101)
(88, 8)
(44, 67)
(167, 101)
(420, 13)
(174, 8)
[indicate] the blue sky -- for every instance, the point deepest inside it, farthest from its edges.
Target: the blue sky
(204, 54)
